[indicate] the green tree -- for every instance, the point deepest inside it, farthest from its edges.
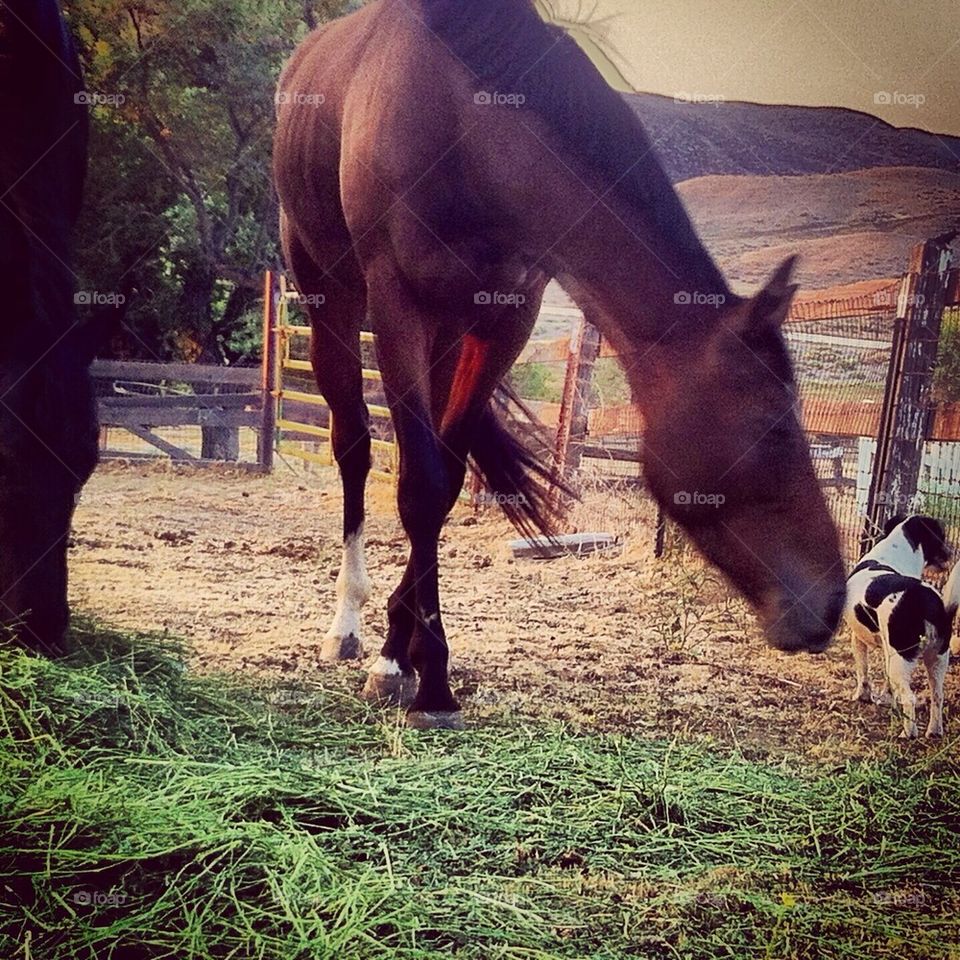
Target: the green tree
(947, 372)
(180, 215)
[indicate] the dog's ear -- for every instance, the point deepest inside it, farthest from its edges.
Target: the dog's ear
(927, 535)
(892, 524)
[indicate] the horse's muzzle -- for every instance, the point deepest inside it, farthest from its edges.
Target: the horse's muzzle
(797, 622)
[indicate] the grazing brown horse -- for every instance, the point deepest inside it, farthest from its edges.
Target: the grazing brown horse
(48, 438)
(437, 162)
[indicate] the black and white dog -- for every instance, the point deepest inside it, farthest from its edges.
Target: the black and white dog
(890, 607)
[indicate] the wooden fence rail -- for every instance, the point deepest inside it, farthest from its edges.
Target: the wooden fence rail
(187, 395)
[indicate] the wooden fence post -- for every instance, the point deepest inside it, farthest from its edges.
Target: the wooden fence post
(575, 404)
(908, 403)
(266, 442)
(660, 533)
(583, 381)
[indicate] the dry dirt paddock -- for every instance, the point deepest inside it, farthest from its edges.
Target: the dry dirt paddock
(244, 568)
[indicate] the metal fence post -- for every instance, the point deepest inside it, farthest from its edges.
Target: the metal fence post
(575, 404)
(908, 402)
(266, 442)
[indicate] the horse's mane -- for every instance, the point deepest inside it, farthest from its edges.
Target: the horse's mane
(511, 50)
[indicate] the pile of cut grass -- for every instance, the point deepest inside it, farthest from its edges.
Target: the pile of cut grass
(147, 812)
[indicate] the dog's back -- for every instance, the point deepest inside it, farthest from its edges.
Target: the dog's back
(908, 611)
(910, 615)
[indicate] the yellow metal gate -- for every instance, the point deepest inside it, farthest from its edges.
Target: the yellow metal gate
(304, 421)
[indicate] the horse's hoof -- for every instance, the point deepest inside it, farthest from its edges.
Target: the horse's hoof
(397, 689)
(882, 699)
(341, 648)
(861, 695)
(934, 731)
(442, 720)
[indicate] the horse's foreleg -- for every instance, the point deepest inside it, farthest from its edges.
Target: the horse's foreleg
(336, 313)
(392, 677)
(351, 449)
(438, 382)
(338, 372)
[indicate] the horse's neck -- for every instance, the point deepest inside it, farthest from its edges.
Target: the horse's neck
(643, 289)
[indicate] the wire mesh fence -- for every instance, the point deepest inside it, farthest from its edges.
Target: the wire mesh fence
(841, 351)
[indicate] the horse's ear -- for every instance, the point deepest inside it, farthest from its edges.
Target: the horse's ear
(772, 304)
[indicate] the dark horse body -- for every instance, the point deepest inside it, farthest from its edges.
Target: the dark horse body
(47, 422)
(437, 163)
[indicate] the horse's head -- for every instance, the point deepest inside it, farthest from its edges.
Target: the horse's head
(48, 448)
(727, 458)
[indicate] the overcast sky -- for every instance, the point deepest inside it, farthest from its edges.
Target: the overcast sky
(900, 61)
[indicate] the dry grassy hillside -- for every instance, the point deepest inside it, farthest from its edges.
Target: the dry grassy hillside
(846, 226)
(733, 138)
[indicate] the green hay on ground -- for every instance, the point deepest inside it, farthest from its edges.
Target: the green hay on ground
(147, 812)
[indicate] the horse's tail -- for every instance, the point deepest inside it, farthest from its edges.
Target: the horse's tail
(951, 603)
(511, 464)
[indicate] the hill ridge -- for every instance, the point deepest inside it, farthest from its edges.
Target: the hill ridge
(725, 137)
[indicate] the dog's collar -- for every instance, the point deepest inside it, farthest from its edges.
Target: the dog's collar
(872, 565)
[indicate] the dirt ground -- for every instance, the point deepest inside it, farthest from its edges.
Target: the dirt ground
(244, 567)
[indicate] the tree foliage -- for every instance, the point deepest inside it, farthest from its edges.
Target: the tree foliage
(947, 372)
(180, 217)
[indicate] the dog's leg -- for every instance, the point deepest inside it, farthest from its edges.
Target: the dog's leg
(860, 666)
(899, 672)
(936, 664)
(883, 697)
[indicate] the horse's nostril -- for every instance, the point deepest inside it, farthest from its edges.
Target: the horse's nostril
(817, 631)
